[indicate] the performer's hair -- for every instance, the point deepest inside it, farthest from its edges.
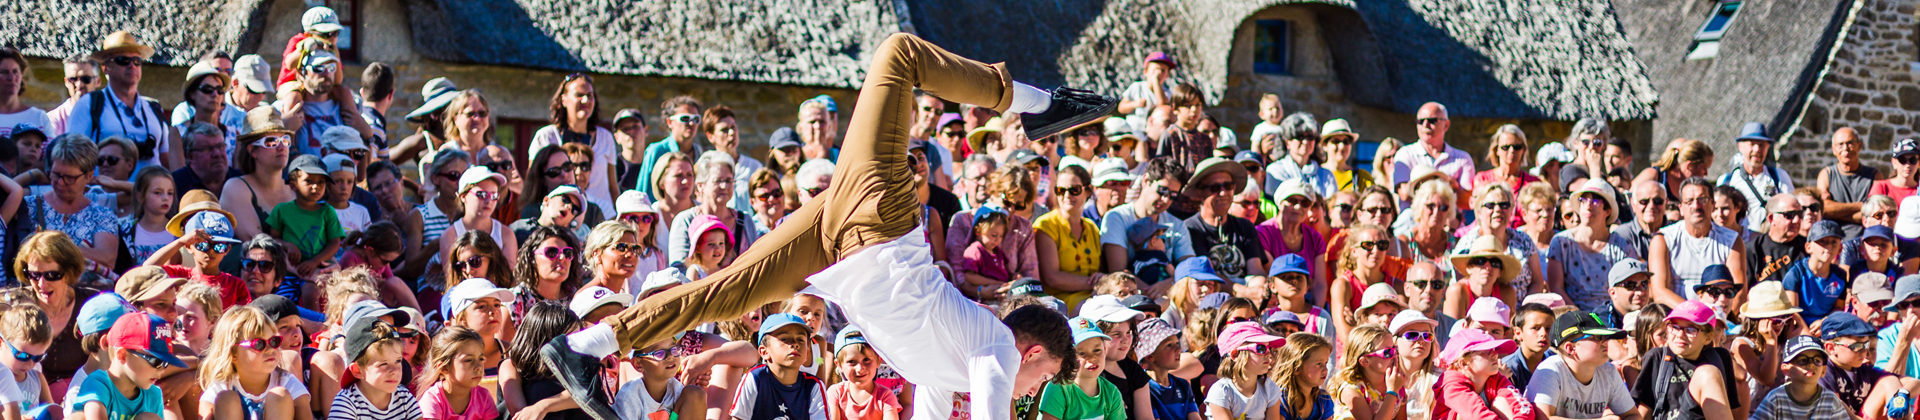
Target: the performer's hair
(1037, 325)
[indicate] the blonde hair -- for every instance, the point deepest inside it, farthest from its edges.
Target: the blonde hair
(1114, 283)
(1382, 161)
(1360, 343)
(1485, 191)
(446, 346)
(1426, 191)
(1538, 192)
(1509, 130)
(205, 295)
(239, 324)
(1289, 371)
(345, 283)
(23, 322)
(1350, 261)
(1182, 298)
(1687, 151)
(1199, 331)
(604, 236)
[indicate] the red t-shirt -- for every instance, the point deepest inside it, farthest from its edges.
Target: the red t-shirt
(233, 290)
(1886, 187)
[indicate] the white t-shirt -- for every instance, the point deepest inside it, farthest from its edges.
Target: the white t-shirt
(285, 380)
(354, 217)
(1141, 89)
(633, 401)
(28, 388)
(1553, 385)
(146, 242)
(604, 148)
(31, 116)
(1113, 231)
(73, 390)
(1242, 406)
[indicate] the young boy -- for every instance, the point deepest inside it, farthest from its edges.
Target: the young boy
(1158, 344)
(371, 387)
(1817, 284)
(1154, 90)
(594, 303)
(1150, 261)
(312, 228)
(26, 332)
(778, 389)
(1801, 398)
(206, 236)
(1089, 396)
(1530, 330)
(1580, 382)
(341, 171)
(126, 390)
(97, 317)
(1288, 280)
(1849, 345)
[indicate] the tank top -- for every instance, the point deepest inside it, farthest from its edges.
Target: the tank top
(461, 229)
(1689, 255)
(433, 221)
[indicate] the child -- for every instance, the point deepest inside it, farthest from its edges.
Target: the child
(477, 305)
(1243, 391)
(1119, 285)
(1364, 393)
(206, 237)
(1802, 397)
(341, 172)
(659, 394)
(25, 330)
(197, 308)
(480, 190)
(1864, 387)
(778, 389)
(313, 229)
(96, 318)
(1472, 387)
(1150, 260)
(713, 241)
(241, 377)
(1173, 397)
(375, 247)
(1490, 315)
(1530, 330)
(371, 387)
(126, 390)
(454, 372)
(983, 263)
(152, 205)
(1154, 90)
(813, 310)
(857, 396)
(1302, 373)
(595, 302)
(1580, 383)
(1271, 113)
(1088, 396)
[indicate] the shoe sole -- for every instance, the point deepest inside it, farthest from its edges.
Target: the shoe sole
(1063, 125)
(548, 355)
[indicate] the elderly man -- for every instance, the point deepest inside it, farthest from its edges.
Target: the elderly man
(819, 128)
(1649, 204)
(1755, 179)
(1426, 288)
(682, 114)
(975, 174)
(1432, 149)
(1162, 180)
(814, 177)
(118, 109)
(1845, 185)
(320, 103)
(1781, 243)
(82, 77)
(206, 161)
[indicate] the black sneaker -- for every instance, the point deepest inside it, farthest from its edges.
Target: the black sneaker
(1070, 108)
(580, 375)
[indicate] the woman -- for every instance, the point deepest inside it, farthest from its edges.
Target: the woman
(469, 122)
(1690, 353)
(1433, 212)
(1336, 144)
(638, 212)
(713, 190)
(205, 92)
(1508, 151)
(49, 264)
(263, 265)
(115, 180)
(575, 119)
(1377, 207)
(1730, 210)
(383, 179)
(472, 255)
(479, 190)
(261, 159)
(673, 183)
(724, 133)
(1014, 189)
(525, 383)
(1416, 345)
(1069, 245)
(1579, 259)
(1683, 159)
(548, 269)
(146, 229)
(65, 207)
(1019, 247)
(1301, 139)
(1087, 142)
(769, 200)
(1680, 252)
(1493, 214)
(1288, 232)
(1485, 271)
(1541, 209)
(550, 168)
(1364, 263)
(1383, 161)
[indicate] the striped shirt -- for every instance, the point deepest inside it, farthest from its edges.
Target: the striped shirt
(350, 404)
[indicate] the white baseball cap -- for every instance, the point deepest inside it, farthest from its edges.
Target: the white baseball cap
(473, 289)
(320, 19)
(660, 280)
(1907, 225)
(593, 297)
(477, 174)
(1107, 308)
(1111, 170)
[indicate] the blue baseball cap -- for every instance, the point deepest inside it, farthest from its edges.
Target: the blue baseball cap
(1843, 324)
(1283, 316)
(1084, 329)
(1214, 300)
(833, 107)
(99, 313)
(848, 336)
(1877, 231)
(1290, 263)
(1198, 268)
(775, 321)
(214, 224)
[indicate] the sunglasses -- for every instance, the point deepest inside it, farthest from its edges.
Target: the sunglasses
(215, 248)
(85, 80)
(1859, 347)
(496, 167)
(1382, 210)
(1379, 245)
(25, 356)
(1512, 147)
(1220, 188)
(1910, 304)
(1417, 336)
(485, 195)
(559, 253)
(1591, 200)
(152, 360)
(211, 90)
(473, 262)
(1791, 214)
(50, 275)
(280, 142)
(1256, 348)
(1720, 292)
(1430, 121)
(1497, 205)
(554, 172)
(638, 218)
(685, 118)
(1489, 262)
(626, 248)
(1386, 353)
(126, 61)
(1435, 284)
(1653, 201)
(814, 192)
(1297, 201)
(1809, 361)
(108, 161)
(1164, 191)
(953, 133)
(661, 354)
(1907, 160)
(1069, 191)
(767, 196)
(258, 344)
(1633, 286)
(256, 265)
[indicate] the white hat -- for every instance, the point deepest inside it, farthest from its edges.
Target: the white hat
(1409, 317)
(340, 163)
(1071, 160)
(254, 73)
(320, 19)
(1111, 170)
(1107, 308)
(568, 190)
(1379, 292)
(1907, 225)
(477, 173)
(633, 201)
(659, 280)
(342, 138)
(316, 58)
(473, 289)
(593, 297)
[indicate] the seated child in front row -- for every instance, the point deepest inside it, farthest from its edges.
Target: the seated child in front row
(659, 394)
(241, 377)
(140, 348)
(857, 396)
(983, 263)
(371, 387)
(778, 389)
(454, 370)
(1089, 396)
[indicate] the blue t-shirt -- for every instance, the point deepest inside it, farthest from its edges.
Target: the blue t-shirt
(1173, 401)
(98, 387)
(1817, 294)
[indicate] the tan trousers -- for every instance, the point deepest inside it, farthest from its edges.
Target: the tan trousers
(872, 198)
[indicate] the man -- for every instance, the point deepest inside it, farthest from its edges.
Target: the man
(1184, 141)
(783, 149)
(1158, 121)
(1677, 270)
(118, 109)
(82, 77)
(1110, 183)
(819, 128)
(318, 103)
(1626, 292)
(1896, 351)
(1432, 149)
(939, 198)
(1162, 180)
(252, 85)
(682, 114)
(813, 179)
(206, 161)
(1426, 289)
(630, 132)
(223, 63)
(1780, 243)
(849, 236)
(1755, 179)
(1230, 241)
(1649, 204)
(1871, 292)
(951, 134)
(1903, 181)
(1619, 153)
(928, 112)
(1845, 185)
(376, 94)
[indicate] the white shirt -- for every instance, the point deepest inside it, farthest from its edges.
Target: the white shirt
(354, 217)
(1757, 189)
(1454, 163)
(604, 148)
(31, 116)
(284, 380)
(1113, 231)
(1242, 406)
(918, 322)
(633, 401)
(1312, 173)
(1553, 385)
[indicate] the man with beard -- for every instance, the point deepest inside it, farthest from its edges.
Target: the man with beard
(206, 162)
(317, 104)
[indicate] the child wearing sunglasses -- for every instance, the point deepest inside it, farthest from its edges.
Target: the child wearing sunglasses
(139, 349)
(1244, 391)
(454, 371)
(240, 377)
(206, 236)
(1580, 382)
(1473, 386)
(658, 393)
(28, 337)
(1364, 392)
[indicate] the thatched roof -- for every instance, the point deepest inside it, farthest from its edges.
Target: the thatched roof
(179, 30)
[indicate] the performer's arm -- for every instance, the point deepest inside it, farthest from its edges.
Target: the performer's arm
(992, 392)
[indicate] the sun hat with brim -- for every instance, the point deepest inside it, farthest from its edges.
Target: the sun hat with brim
(1753, 131)
(1107, 308)
(977, 138)
(1376, 294)
(633, 201)
(706, 222)
(262, 121)
(145, 282)
(435, 95)
(1490, 309)
(1714, 276)
(194, 202)
(1409, 317)
(1469, 340)
(1766, 300)
(1071, 160)
(1153, 332)
(1111, 170)
(119, 43)
(472, 290)
(205, 68)
(1337, 127)
(660, 280)
(1693, 311)
(1084, 329)
(1907, 287)
(1214, 165)
(1423, 173)
(1239, 335)
(1600, 188)
(1488, 246)
(477, 174)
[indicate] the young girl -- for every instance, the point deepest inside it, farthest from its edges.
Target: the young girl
(376, 247)
(240, 377)
(1243, 391)
(1364, 393)
(477, 305)
(152, 207)
(712, 241)
(198, 306)
(812, 309)
(24, 328)
(371, 388)
(1121, 367)
(983, 263)
(1302, 375)
(1173, 397)
(480, 188)
(1473, 386)
(658, 391)
(457, 365)
(857, 397)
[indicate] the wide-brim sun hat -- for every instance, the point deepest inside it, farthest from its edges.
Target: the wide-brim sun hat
(1766, 300)
(262, 121)
(122, 42)
(194, 202)
(1488, 246)
(977, 138)
(1600, 188)
(1214, 165)
(204, 68)
(436, 94)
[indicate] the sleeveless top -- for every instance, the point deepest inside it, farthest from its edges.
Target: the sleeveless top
(1369, 395)
(461, 229)
(1850, 188)
(1689, 255)
(433, 221)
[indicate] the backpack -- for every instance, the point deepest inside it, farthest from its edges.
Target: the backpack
(99, 100)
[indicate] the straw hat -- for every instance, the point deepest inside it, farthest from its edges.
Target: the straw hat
(194, 202)
(1767, 299)
(978, 137)
(122, 42)
(204, 68)
(1488, 246)
(261, 121)
(1212, 165)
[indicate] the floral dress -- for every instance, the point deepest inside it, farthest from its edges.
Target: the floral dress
(80, 226)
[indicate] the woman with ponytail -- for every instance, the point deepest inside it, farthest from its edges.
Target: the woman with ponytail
(377, 247)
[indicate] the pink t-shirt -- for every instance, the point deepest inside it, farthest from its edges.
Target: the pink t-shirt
(434, 405)
(986, 262)
(883, 401)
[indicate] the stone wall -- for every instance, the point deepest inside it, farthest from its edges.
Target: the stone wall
(1869, 86)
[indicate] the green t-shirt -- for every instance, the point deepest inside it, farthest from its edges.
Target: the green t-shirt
(308, 230)
(1068, 402)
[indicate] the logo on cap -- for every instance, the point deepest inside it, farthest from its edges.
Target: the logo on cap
(600, 293)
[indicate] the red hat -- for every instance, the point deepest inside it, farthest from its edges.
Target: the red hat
(144, 333)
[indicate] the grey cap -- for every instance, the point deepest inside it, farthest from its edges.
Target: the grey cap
(1825, 229)
(1907, 287)
(310, 164)
(1871, 287)
(629, 113)
(1625, 269)
(783, 138)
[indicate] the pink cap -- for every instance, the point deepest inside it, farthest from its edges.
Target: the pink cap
(703, 223)
(1488, 309)
(1240, 334)
(1472, 340)
(1693, 310)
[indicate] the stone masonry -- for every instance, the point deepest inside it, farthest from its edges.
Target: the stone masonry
(1870, 86)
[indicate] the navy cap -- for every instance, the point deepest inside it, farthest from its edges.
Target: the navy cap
(1026, 286)
(1844, 324)
(1198, 268)
(1284, 316)
(1877, 231)
(1714, 275)
(1248, 156)
(1141, 230)
(1141, 303)
(783, 138)
(1801, 344)
(1906, 147)
(1825, 229)
(23, 128)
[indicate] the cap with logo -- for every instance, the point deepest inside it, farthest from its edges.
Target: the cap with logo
(1799, 345)
(1581, 325)
(1084, 329)
(144, 333)
(1625, 270)
(1845, 324)
(373, 309)
(593, 297)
